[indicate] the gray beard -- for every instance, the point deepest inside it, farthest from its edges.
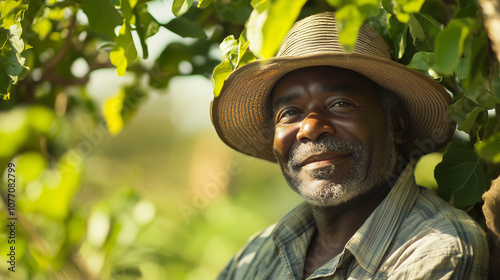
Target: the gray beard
(359, 181)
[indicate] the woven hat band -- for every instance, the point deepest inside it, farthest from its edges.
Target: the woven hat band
(320, 36)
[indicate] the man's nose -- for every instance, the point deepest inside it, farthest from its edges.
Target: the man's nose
(313, 127)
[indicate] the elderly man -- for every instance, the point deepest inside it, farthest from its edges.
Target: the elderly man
(346, 130)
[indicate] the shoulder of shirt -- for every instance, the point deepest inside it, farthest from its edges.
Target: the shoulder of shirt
(254, 253)
(435, 214)
(258, 239)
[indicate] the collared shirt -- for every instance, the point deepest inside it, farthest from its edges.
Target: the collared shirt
(412, 234)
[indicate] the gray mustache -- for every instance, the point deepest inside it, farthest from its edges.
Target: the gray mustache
(325, 144)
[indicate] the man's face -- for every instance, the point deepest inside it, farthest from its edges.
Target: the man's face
(332, 140)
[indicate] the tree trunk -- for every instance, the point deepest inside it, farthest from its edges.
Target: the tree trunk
(491, 210)
(491, 13)
(491, 207)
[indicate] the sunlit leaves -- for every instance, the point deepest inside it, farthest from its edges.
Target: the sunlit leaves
(269, 23)
(350, 16)
(12, 62)
(402, 9)
(461, 176)
(112, 112)
(119, 108)
(397, 31)
(221, 72)
(6, 6)
(180, 7)
(424, 62)
(450, 42)
(234, 54)
(124, 51)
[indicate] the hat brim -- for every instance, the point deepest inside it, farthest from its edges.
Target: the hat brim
(240, 116)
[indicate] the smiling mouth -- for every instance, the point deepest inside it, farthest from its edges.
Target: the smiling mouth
(322, 159)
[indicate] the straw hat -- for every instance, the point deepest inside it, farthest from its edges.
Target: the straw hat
(241, 118)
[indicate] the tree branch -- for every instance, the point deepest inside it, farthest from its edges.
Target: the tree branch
(48, 66)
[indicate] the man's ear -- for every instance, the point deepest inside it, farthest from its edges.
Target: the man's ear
(399, 126)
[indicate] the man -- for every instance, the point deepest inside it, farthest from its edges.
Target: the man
(346, 130)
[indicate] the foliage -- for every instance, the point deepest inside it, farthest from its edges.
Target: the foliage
(50, 49)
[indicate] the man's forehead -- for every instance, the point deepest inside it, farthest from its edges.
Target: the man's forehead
(320, 80)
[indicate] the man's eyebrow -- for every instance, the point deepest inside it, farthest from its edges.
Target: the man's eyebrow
(326, 88)
(285, 99)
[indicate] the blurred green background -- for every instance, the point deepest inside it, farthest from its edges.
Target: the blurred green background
(160, 197)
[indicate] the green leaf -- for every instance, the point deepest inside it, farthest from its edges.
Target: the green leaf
(124, 51)
(416, 29)
(180, 7)
(402, 9)
(397, 32)
(12, 62)
(234, 54)
(460, 176)
(350, 16)
(496, 84)
(459, 109)
(185, 28)
(202, 4)
(410, 6)
(146, 26)
(103, 18)
(4, 85)
(8, 5)
(269, 23)
(121, 107)
(388, 6)
(349, 20)
(228, 48)
(450, 42)
(479, 55)
(489, 149)
(112, 112)
(220, 74)
(470, 120)
(424, 30)
(478, 89)
(424, 62)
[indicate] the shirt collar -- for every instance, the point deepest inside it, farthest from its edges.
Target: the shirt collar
(294, 224)
(369, 243)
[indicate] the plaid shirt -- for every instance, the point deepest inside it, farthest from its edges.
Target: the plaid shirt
(412, 234)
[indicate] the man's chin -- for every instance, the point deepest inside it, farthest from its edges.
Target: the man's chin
(322, 193)
(321, 173)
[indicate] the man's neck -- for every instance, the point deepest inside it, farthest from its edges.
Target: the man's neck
(336, 225)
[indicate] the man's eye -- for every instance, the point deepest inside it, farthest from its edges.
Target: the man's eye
(342, 104)
(287, 114)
